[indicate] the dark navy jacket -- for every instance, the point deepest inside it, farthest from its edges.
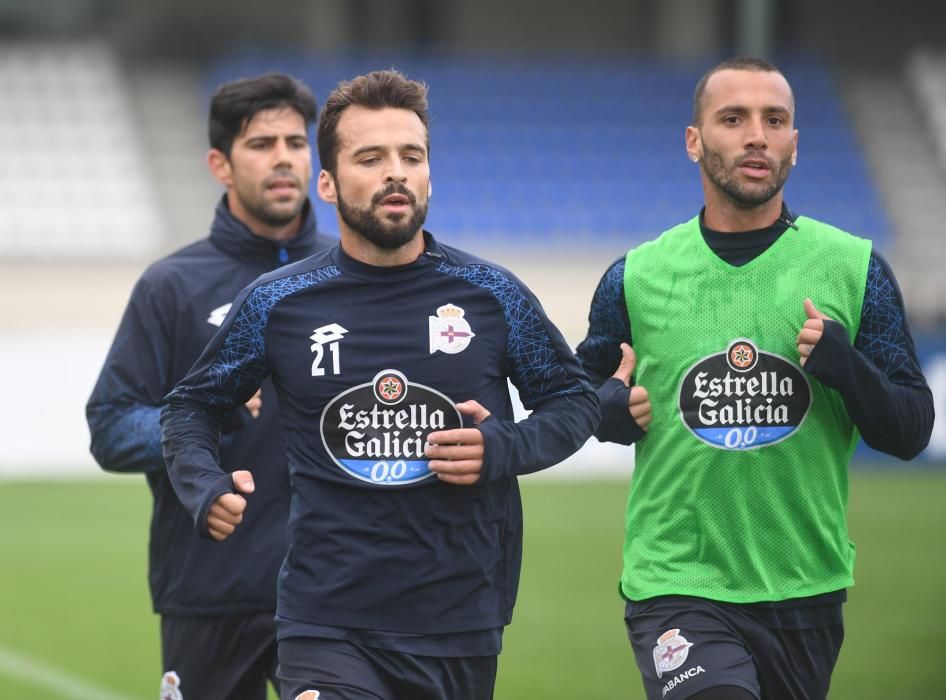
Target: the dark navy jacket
(174, 310)
(367, 362)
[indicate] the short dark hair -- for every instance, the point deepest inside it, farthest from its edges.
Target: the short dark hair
(235, 103)
(375, 90)
(737, 63)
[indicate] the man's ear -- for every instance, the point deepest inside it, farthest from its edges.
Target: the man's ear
(694, 144)
(430, 188)
(220, 167)
(326, 187)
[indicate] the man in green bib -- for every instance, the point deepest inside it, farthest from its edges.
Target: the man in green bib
(744, 352)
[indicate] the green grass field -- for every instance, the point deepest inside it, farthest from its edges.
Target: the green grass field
(75, 619)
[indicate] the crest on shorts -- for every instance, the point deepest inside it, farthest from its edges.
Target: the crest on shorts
(671, 651)
(171, 686)
(449, 331)
(308, 695)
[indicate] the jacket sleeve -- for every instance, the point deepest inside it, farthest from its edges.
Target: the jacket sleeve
(225, 376)
(879, 376)
(600, 355)
(124, 408)
(551, 384)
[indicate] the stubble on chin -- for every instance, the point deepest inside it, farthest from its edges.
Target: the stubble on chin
(745, 195)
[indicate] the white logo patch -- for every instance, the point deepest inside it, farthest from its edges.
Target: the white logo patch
(217, 315)
(671, 651)
(322, 336)
(744, 398)
(376, 432)
(449, 331)
(171, 684)
(309, 695)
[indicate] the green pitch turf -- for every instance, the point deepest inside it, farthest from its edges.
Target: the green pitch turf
(75, 619)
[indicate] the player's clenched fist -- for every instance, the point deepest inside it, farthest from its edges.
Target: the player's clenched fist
(456, 456)
(811, 332)
(227, 511)
(638, 403)
(255, 404)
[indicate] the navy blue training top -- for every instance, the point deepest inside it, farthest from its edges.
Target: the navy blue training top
(367, 362)
(175, 308)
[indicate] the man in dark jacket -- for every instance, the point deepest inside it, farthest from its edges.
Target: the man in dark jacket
(216, 599)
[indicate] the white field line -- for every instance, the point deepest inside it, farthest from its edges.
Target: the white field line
(39, 674)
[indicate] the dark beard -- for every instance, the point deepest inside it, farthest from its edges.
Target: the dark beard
(271, 213)
(746, 197)
(388, 235)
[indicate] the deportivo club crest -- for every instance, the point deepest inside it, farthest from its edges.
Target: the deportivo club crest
(171, 686)
(376, 432)
(671, 651)
(449, 331)
(743, 398)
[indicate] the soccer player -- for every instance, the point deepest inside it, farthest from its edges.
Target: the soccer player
(390, 354)
(216, 600)
(761, 344)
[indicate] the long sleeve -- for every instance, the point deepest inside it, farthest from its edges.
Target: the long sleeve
(879, 376)
(227, 374)
(551, 384)
(123, 411)
(600, 355)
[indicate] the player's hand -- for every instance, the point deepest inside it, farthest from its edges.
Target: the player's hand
(255, 404)
(227, 511)
(638, 402)
(811, 332)
(456, 456)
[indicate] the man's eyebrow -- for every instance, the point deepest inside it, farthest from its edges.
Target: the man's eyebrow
(366, 149)
(742, 109)
(274, 137)
(399, 147)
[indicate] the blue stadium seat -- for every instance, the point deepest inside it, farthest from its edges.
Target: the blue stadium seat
(588, 150)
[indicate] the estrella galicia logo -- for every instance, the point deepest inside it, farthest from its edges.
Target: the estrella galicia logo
(376, 432)
(744, 398)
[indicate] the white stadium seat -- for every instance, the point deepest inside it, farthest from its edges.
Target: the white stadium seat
(74, 181)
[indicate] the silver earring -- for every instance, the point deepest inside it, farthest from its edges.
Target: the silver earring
(695, 158)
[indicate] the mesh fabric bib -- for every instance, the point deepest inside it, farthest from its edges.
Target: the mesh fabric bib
(740, 487)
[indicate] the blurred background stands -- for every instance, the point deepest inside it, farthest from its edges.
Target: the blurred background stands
(557, 142)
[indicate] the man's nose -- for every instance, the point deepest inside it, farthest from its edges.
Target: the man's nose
(283, 153)
(755, 134)
(395, 171)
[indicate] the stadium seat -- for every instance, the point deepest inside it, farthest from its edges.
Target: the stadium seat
(73, 180)
(585, 149)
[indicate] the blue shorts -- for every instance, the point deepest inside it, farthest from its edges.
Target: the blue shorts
(776, 651)
(337, 669)
(218, 658)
